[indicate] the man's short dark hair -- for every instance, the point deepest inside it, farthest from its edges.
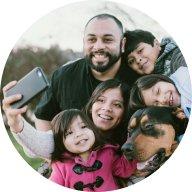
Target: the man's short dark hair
(133, 38)
(107, 16)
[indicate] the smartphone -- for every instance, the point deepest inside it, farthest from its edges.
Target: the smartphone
(29, 86)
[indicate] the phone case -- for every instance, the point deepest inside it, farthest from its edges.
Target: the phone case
(29, 86)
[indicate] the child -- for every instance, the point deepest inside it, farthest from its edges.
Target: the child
(145, 55)
(159, 90)
(80, 159)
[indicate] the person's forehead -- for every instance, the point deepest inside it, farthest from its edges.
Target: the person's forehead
(162, 85)
(104, 26)
(135, 48)
(141, 45)
(76, 120)
(114, 93)
(148, 90)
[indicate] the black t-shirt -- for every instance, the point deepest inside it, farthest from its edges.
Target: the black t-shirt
(71, 87)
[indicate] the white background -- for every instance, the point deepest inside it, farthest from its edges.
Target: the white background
(17, 16)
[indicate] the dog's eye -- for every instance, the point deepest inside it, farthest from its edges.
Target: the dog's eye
(149, 126)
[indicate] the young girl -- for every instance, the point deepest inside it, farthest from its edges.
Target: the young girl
(81, 160)
(160, 90)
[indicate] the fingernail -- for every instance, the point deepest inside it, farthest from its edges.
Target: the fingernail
(19, 96)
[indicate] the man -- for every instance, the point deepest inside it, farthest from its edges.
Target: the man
(73, 83)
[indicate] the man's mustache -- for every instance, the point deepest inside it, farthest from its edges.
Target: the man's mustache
(105, 53)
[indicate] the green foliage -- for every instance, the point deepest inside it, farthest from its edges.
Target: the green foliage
(33, 162)
(23, 60)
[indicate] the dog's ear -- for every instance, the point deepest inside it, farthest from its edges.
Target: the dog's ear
(174, 146)
(179, 113)
(135, 119)
(169, 151)
(180, 121)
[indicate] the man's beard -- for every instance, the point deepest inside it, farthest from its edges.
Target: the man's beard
(100, 67)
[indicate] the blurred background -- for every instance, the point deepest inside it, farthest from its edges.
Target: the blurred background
(57, 38)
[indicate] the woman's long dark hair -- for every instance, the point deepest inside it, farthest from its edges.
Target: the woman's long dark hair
(60, 125)
(118, 134)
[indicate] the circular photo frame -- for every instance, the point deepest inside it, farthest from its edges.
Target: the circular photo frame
(103, 83)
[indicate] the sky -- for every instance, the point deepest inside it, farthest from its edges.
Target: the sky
(64, 26)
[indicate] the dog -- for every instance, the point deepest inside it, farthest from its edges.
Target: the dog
(153, 135)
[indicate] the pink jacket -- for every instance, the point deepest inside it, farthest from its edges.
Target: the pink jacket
(101, 179)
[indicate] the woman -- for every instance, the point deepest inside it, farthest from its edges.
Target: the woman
(107, 108)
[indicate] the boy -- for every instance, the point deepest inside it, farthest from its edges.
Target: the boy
(145, 55)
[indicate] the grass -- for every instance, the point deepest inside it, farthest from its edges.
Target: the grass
(33, 162)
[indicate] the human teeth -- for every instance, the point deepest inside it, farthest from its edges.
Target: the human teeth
(81, 141)
(99, 55)
(105, 117)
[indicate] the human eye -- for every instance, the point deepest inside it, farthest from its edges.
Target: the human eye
(68, 132)
(131, 61)
(100, 99)
(83, 126)
(108, 40)
(118, 105)
(91, 39)
(157, 91)
(140, 50)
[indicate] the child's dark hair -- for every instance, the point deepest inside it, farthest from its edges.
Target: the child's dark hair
(133, 38)
(60, 125)
(125, 91)
(143, 83)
